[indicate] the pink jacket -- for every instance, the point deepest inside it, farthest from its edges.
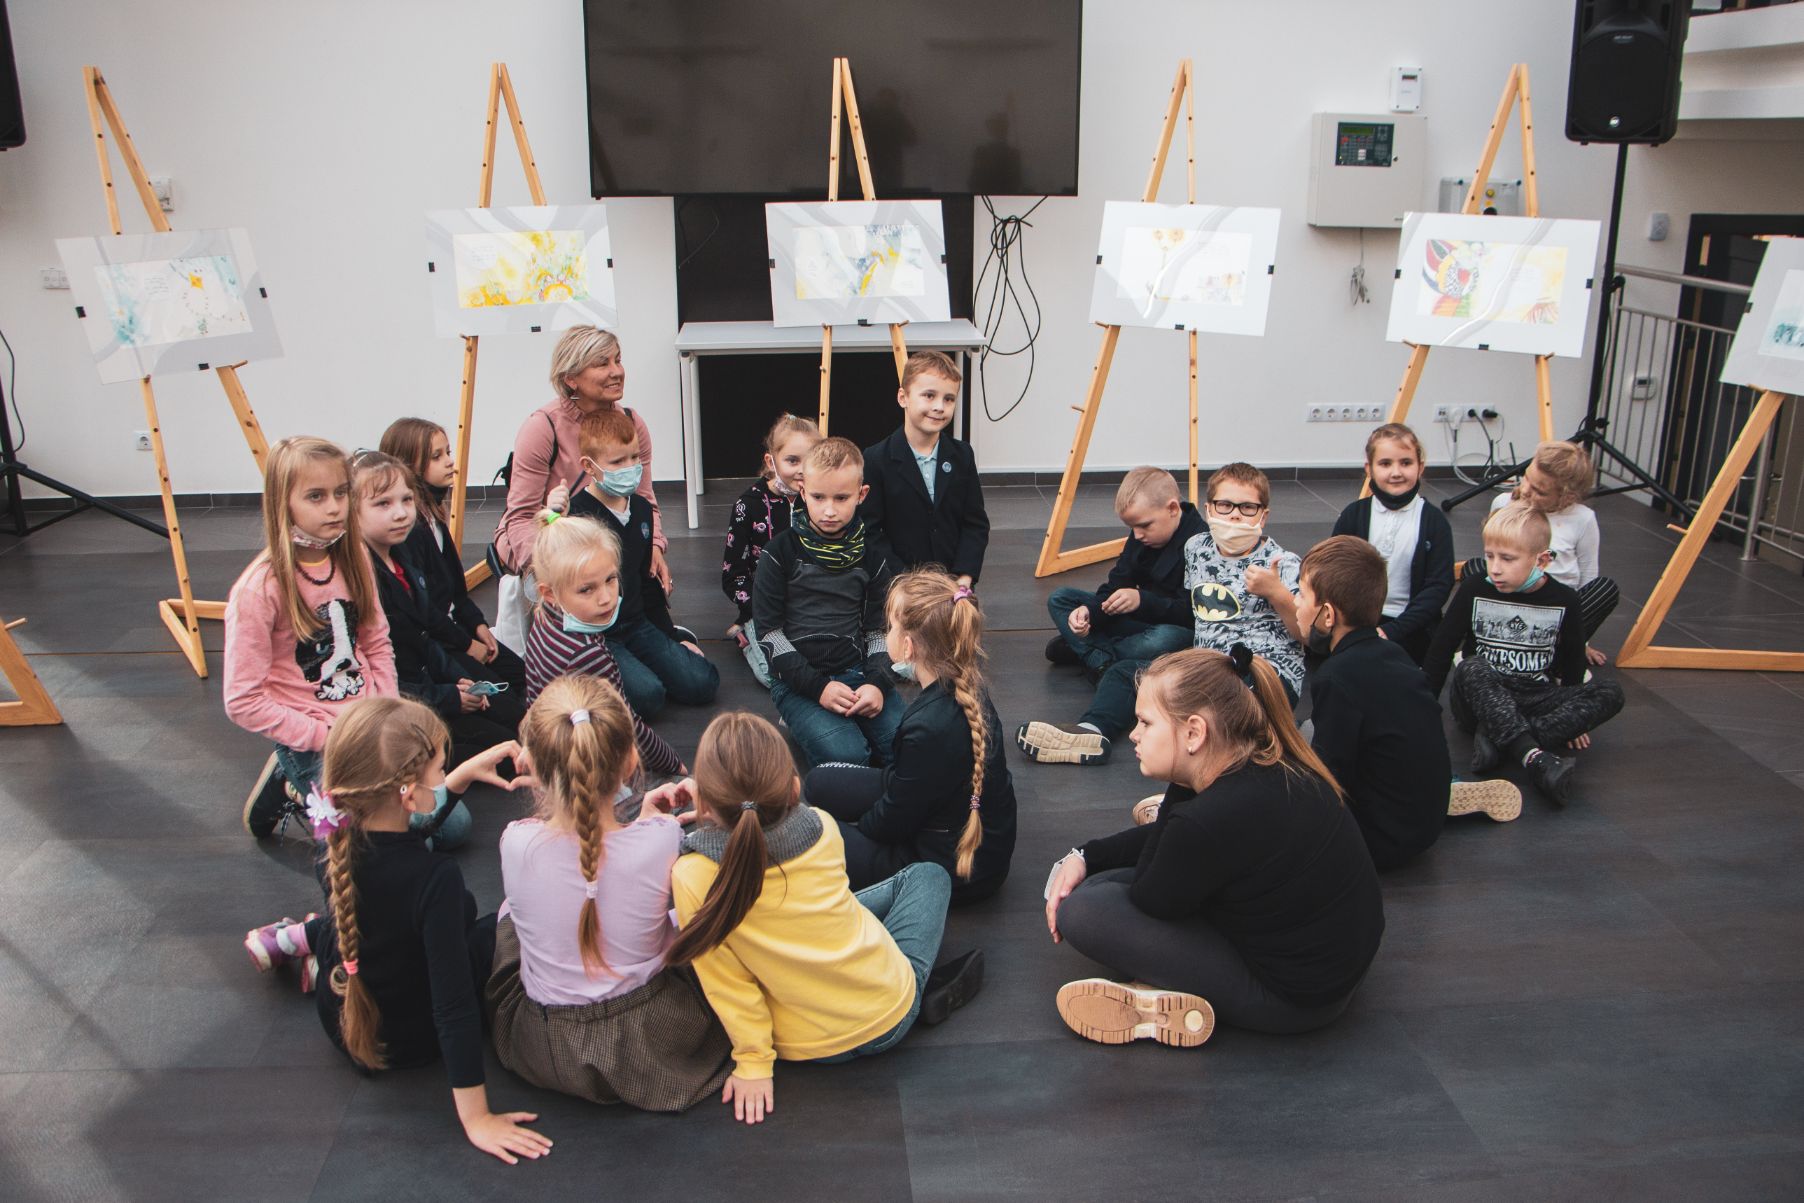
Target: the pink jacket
(291, 689)
(535, 473)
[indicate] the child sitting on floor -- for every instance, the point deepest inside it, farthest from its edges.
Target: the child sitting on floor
(1241, 586)
(1520, 690)
(760, 515)
(1413, 537)
(1141, 611)
(656, 660)
(818, 603)
(796, 965)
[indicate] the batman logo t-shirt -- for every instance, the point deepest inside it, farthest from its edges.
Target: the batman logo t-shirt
(1225, 611)
(1212, 601)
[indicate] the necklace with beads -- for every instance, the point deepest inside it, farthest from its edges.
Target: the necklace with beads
(331, 571)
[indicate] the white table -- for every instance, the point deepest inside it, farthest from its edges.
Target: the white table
(696, 339)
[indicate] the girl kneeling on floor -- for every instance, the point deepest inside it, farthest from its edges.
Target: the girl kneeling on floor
(402, 950)
(946, 795)
(1251, 896)
(580, 998)
(796, 965)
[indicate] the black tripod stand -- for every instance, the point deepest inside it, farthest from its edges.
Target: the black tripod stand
(11, 469)
(1590, 433)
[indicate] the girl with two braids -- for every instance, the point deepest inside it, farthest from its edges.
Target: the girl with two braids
(580, 999)
(403, 953)
(946, 795)
(797, 966)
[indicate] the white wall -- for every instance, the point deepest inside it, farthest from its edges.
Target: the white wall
(327, 129)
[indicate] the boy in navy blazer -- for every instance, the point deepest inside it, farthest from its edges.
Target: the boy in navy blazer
(924, 496)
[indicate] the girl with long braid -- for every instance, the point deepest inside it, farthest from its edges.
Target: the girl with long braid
(401, 948)
(580, 998)
(946, 795)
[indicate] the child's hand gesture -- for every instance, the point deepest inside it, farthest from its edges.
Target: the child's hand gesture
(481, 767)
(1264, 582)
(1079, 620)
(838, 697)
(559, 497)
(1122, 601)
(1067, 875)
(669, 798)
(467, 698)
(751, 1097)
(1595, 655)
(866, 700)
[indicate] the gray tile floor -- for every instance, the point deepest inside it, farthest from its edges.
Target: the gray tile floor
(1602, 1001)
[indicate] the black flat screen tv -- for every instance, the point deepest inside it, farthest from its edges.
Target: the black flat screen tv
(734, 96)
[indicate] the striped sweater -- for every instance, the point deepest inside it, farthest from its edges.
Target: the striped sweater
(552, 652)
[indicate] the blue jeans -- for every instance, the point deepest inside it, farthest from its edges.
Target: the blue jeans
(1113, 637)
(302, 769)
(912, 908)
(655, 668)
(829, 738)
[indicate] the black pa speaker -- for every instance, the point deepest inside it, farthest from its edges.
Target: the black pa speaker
(12, 112)
(1624, 85)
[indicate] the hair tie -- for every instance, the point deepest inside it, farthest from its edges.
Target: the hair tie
(976, 801)
(1241, 657)
(350, 967)
(322, 815)
(547, 516)
(592, 888)
(963, 593)
(748, 806)
(578, 716)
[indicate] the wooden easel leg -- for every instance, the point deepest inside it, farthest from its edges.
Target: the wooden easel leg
(466, 405)
(1051, 559)
(247, 418)
(839, 88)
(859, 157)
(1544, 395)
(1531, 193)
(1193, 433)
(185, 626)
(34, 707)
(1637, 651)
(826, 376)
(899, 349)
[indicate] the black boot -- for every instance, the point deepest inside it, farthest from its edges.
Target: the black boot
(951, 985)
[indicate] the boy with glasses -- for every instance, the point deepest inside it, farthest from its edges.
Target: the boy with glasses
(1242, 589)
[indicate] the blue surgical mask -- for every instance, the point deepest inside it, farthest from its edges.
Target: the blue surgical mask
(441, 796)
(576, 626)
(620, 482)
(1534, 578)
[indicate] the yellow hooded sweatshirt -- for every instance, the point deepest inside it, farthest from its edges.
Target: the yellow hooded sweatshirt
(808, 972)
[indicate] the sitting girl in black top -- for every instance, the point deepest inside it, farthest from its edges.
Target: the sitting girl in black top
(1251, 896)
(1414, 538)
(404, 955)
(946, 796)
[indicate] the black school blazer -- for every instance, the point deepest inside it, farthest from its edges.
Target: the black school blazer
(1430, 569)
(952, 529)
(422, 668)
(454, 615)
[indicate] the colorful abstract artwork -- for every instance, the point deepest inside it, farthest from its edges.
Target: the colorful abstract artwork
(157, 303)
(1186, 267)
(1768, 352)
(1518, 284)
(520, 270)
(849, 262)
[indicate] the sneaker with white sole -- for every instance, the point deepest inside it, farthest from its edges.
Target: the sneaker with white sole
(1120, 1012)
(1147, 809)
(278, 943)
(1063, 743)
(264, 804)
(1499, 799)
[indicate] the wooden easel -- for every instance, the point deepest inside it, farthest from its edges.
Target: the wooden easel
(1051, 558)
(182, 614)
(501, 88)
(1638, 650)
(34, 707)
(843, 92)
(1514, 88)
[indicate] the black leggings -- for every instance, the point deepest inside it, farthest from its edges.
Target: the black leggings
(1100, 921)
(846, 791)
(1597, 597)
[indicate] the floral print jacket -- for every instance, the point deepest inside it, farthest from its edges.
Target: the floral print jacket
(760, 515)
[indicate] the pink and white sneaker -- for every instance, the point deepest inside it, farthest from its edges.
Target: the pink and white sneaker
(277, 943)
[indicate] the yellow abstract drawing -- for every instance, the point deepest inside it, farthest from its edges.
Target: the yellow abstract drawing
(520, 267)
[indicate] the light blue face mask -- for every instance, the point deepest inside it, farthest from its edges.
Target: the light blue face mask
(620, 482)
(1534, 578)
(576, 626)
(441, 796)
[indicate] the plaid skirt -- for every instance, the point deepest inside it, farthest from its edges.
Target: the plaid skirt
(657, 1048)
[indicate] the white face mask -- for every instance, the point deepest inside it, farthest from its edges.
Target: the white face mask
(1235, 538)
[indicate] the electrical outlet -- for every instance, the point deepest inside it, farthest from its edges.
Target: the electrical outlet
(1314, 414)
(53, 277)
(1445, 413)
(141, 440)
(1643, 387)
(163, 188)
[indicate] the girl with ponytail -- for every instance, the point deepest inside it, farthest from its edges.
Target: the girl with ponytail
(580, 999)
(1251, 896)
(796, 965)
(403, 953)
(946, 795)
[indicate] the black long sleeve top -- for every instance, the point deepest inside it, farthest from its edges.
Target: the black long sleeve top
(430, 547)
(1430, 568)
(414, 919)
(424, 669)
(1274, 862)
(1538, 635)
(1158, 572)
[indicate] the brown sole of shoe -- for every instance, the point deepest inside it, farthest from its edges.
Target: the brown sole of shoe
(1050, 745)
(1117, 1013)
(1497, 798)
(1147, 810)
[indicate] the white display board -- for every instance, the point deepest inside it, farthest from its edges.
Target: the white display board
(835, 263)
(1768, 352)
(520, 270)
(1185, 267)
(1518, 284)
(183, 301)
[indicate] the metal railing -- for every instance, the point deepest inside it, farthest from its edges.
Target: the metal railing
(1669, 410)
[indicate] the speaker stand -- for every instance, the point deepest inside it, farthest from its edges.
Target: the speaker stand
(12, 468)
(1590, 433)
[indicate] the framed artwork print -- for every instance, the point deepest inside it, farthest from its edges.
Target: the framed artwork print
(520, 270)
(842, 263)
(1768, 352)
(1185, 267)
